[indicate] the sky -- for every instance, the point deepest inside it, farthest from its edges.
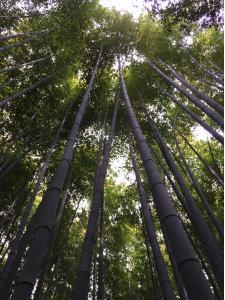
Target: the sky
(201, 134)
(135, 7)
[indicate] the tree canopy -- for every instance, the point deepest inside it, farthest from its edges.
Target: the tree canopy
(53, 54)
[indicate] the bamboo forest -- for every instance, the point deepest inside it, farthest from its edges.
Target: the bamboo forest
(111, 150)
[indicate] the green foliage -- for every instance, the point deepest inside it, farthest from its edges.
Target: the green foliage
(208, 46)
(188, 11)
(78, 29)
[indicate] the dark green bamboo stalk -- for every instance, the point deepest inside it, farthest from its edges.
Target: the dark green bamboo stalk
(54, 232)
(219, 108)
(212, 114)
(21, 34)
(210, 84)
(83, 275)
(206, 71)
(51, 198)
(185, 257)
(24, 42)
(28, 89)
(152, 238)
(200, 192)
(215, 164)
(101, 288)
(16, 67)
(207, 238)
(207, 166)
(28, 208)
(94, 275)
(195, 117)
(180, 198)
(150, 260)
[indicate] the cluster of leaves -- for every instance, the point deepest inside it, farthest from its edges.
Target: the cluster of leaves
(78, 29)
(206, 13)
